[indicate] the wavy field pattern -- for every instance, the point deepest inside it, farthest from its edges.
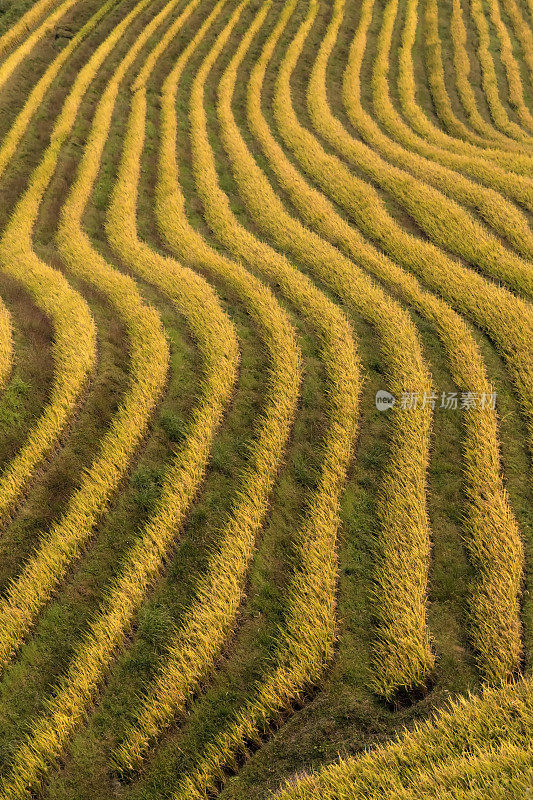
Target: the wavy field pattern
(266, 399)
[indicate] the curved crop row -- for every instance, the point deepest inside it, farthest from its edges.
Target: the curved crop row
(503, 216)
(476, 748)
(208, 620)
(410, 436)
(45, 568)
(518, 188)
(515, 157)
(446, 223)
(69, 702)
(317, 534)
(401, 510)
(522, 32)
(9, 146)
(512, 72)
(501, 586)
(254, 720)
(18, 236)
(74, 348)
(76, 690)
(492, 175)
(439, 92)
(6, 344)
(488, 76)
(8, 66)
(436, 80)
(437, 83)
(305, 644)
(462, 69)
(483, 743)
(306, 640)
(506, 318)
(23, 25)
(169, 691)
(12, 138)
(491, 532)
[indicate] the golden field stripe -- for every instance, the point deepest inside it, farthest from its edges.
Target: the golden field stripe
(489, 79)
(23, 25)
(12, 138)
(210, 617)
(514, 80)
(168, 693)
(462, 71)
(74, 351)
(522, 32)
(306, 640)
(436, 79)
(14, 59)
(495, 546)
(499, 213)
(399, 510)
(18, 236)
(455, 739)
(492, 175)
(6, 345)
(446, 223)
(68, 703)
(488, 773)
(514, 157)
(74, 347)
(166, 690)
(506, 318)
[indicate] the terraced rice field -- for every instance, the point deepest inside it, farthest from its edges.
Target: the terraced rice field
(266, 399)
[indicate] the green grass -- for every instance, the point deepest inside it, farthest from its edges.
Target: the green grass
(26, 392)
